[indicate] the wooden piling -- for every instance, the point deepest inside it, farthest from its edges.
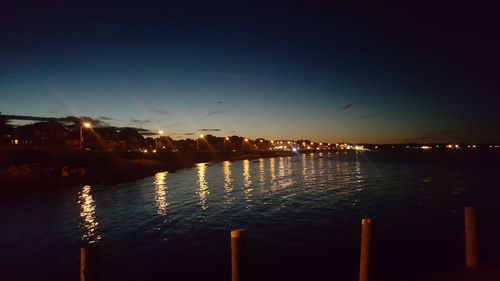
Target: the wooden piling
(89, 263)
(470, 238)
(366, 244)
(238, 255)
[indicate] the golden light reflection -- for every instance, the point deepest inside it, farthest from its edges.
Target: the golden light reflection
(313, 166)
(89, 223)
(304, 167)
(228, 182)
(202, 185)
(281, 167)
(289, 171)
(284, 172)
(262, 173)
(247, 180)
(272, 170)
(161, 193)
(359, 175)
(321, 166)
(228, 187)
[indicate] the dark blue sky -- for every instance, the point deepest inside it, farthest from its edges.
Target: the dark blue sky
(363, 73)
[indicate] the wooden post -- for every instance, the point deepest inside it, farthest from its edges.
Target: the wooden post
(89, 264)
(366, 244)
(238, 255)
(470, 238)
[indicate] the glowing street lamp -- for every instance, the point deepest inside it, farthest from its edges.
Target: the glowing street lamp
(224, 142)
(243, 143)
(198, 142)
(86, 125)
(160, 132)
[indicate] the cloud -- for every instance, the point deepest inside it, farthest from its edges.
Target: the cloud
(189, 134)
(220, 102)
(139, 122)
(209, 130)
(67, 119)
(105, 118)
(347, 106)
(211, 113)
(157, 111)
(104, 121)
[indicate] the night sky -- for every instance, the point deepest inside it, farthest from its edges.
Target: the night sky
(379, 73)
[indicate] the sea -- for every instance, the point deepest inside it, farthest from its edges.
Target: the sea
(302, 215)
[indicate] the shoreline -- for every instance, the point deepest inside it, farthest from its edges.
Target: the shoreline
(26, 170)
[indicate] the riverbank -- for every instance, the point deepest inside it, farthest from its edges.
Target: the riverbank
(26, 169)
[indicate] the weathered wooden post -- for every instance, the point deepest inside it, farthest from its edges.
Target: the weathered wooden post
(470, 238)
(238, 255)
(89, 263)
(366, 244)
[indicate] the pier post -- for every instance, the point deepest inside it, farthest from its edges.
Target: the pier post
(238, 255)
(470, 238)
(89, 263)
(366, 245)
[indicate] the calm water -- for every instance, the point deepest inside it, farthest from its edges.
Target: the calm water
(302, 214)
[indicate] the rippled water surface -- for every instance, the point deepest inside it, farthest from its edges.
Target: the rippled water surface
(302, 214)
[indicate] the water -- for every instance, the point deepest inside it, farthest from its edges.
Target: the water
(302, 214)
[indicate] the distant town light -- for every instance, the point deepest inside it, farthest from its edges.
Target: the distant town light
(86, 125)
(160, 132)
(227, 138)
(202, 136)
(246, 140)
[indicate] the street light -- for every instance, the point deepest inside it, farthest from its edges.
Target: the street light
(198, 142)
(86, 125)
(224, 143)
(243, 144)
(160, 132)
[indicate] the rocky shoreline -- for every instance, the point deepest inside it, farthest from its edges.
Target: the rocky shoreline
(24, 170)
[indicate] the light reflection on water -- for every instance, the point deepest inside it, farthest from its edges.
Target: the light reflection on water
(272, 172)
(203, 190)
(228, 181)
(247, 182)
(160, 183)
(304, 167)
(312, 164)
(262, 173)
(321, 197)
(89, 223)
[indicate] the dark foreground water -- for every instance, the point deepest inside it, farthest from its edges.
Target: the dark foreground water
(302, 214)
